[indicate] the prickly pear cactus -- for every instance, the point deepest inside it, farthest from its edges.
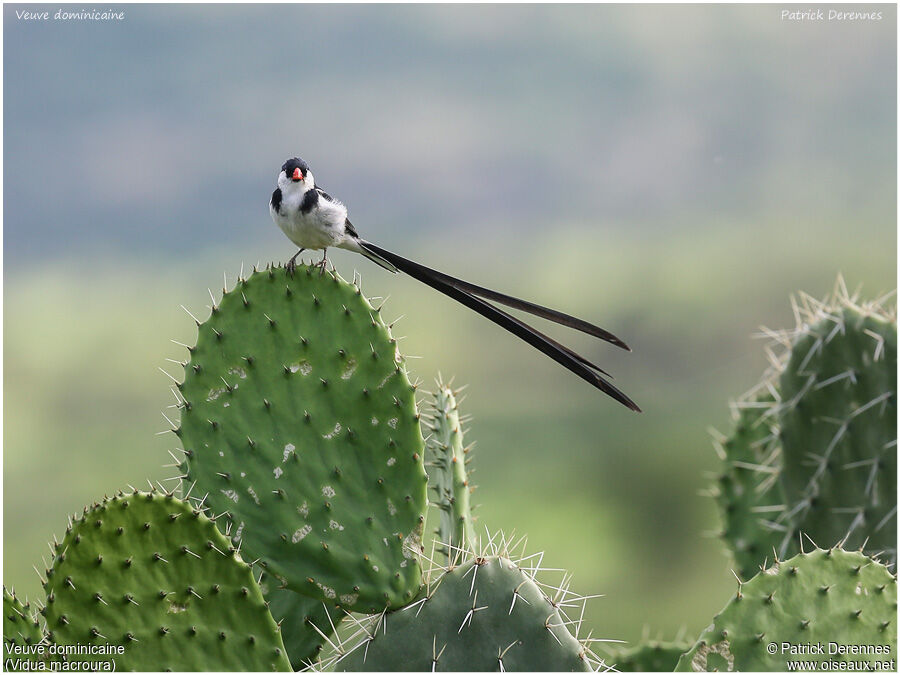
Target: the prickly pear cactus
(20, 625)
(815, 455)
(306, 623)
(447, 460)
(150, 575)
(489, 613)
(822, 598)
(299, 421)
(24, 645)
(652, 656)
(838, 420)
(747, 491)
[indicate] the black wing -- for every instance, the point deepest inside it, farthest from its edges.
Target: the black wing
(324, 194)
(275, 202)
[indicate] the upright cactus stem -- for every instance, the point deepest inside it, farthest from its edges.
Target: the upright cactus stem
(838, 421)
(747, 491)
(449, 480)
(814, 451)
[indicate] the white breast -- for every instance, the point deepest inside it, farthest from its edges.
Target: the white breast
(320, 228)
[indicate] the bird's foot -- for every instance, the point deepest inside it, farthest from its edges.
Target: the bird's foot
(322, 264)
(292, 263)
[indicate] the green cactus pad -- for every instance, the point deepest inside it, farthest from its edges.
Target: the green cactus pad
(485, 615)
(20, 625)
(448, 479)
(652, 656)
(838, 420)
(747, 492)
(24, 645)
(817, 598)
(303, 622)
(301, 424)
(147, 573)
(814, 455)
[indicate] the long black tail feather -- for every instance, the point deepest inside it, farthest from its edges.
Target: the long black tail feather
(503, 299)
(467, 294)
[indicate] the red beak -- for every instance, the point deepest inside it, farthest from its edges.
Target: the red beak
(297, 175)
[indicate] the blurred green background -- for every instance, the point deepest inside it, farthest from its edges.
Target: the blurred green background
(671, 173)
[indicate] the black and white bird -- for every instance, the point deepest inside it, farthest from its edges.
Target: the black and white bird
(313, 219)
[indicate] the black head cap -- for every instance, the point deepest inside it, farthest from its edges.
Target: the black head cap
(295, 163)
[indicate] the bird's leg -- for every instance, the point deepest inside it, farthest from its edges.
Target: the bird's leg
(292, 263)
(324, 262)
